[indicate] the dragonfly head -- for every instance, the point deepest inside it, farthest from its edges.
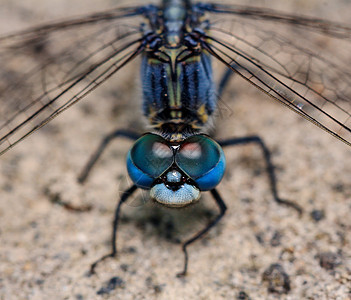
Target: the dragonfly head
(176, 172)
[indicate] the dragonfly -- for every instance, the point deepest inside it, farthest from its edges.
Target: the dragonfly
(48, 68)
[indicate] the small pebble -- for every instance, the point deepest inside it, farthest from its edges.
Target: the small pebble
(317, 215)
(328, 260)
(278, 280)
(112, 284)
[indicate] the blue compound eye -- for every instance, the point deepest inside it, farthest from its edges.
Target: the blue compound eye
(202, 159)
(198, 155)
(149, 157)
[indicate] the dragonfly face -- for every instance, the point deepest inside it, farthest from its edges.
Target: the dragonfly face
(176, 172)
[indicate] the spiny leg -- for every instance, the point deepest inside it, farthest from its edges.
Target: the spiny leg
(222, 208)
(228, 73)
(269, 166)
(104, 143)
(126, 194)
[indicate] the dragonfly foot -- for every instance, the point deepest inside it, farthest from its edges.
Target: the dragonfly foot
(94, 265)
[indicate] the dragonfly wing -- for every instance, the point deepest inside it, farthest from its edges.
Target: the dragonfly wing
(298, 61)
(48, 68)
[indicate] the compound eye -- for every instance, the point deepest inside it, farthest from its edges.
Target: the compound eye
(151, 155)
(191, 151)
(202, 159)
(198, 155)
(161, 150)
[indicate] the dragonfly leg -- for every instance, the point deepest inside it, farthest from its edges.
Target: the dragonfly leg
(222, 208)
(269, 166)
(98, 152)
(126, 194)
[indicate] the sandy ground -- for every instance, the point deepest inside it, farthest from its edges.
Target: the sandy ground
(260, 250)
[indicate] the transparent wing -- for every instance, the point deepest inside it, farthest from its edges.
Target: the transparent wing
(46, 69)
(299, 61)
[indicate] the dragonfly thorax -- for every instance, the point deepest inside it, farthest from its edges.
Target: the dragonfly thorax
(177, 84)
